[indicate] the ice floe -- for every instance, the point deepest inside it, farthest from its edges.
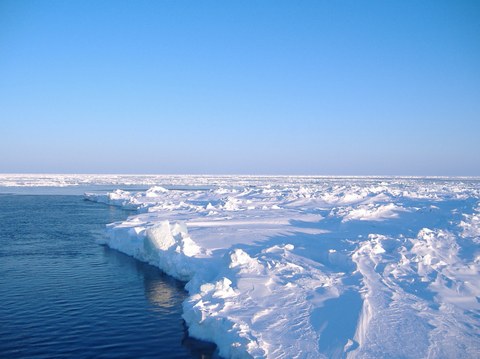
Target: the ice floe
(312, 267)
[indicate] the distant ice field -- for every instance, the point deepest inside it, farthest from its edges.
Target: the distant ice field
(307, 267)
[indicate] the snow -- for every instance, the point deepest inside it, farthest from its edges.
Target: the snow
(309, 267)
(301, 267)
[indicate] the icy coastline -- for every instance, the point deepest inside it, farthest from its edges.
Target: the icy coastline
(317, 267)
(312, 267)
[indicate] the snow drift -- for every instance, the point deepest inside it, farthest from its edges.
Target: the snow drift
(305, 267)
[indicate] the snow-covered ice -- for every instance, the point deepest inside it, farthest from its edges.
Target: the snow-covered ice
(311, 267)
(317, 267)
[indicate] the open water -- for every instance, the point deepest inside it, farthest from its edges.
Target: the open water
(63, 295)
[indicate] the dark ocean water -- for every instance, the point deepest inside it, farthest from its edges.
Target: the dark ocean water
(63, 295)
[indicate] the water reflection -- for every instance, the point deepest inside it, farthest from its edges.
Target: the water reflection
(165, 295)
(159, 294)
(161, 290)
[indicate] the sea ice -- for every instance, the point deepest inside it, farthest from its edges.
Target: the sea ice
(311, 267)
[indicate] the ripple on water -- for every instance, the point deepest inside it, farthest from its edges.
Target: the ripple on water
(65, 296)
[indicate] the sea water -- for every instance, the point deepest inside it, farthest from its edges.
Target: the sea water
(64, 295)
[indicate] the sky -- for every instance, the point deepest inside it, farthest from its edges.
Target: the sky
(240, 87)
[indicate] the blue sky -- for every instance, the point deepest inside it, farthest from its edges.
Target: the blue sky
(247, 87)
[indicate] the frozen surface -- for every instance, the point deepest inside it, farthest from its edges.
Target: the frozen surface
(311, 267)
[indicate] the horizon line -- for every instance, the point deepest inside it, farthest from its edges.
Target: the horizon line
(232, 175)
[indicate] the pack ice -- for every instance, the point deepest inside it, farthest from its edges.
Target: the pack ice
(305, 267)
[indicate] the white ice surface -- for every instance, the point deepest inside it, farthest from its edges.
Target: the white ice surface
(312, 267)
